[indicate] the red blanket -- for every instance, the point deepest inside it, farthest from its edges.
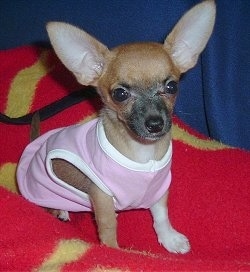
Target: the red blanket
(209, 196)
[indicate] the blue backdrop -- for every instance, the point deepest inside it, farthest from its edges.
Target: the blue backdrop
(214, 96)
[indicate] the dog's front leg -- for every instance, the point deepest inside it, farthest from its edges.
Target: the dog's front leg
(102, 203)
(105, 216)
(172, 240)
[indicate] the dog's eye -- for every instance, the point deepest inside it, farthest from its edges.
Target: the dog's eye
(171, 87)
(120, 94)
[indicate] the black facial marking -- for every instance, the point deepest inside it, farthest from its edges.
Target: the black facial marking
(149, 118)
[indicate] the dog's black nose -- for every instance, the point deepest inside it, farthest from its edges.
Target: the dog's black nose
(154, 124)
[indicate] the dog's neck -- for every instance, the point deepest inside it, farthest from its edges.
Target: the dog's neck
(118, 135)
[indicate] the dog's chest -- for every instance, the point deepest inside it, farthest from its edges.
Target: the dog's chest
(143, 153)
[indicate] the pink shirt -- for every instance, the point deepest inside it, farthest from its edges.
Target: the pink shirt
(131, 184)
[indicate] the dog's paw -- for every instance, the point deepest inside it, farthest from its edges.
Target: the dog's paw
(174, 242)
(63, 215)
(60, 214)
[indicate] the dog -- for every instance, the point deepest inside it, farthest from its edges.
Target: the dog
(122, 159)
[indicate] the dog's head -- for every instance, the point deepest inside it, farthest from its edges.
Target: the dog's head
(138, 82)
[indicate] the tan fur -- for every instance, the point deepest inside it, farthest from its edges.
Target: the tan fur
(142, 67)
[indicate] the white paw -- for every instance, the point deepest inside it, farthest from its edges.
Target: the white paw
(63, 215)
(174, 241)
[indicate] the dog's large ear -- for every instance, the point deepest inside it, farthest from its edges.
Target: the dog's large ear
(82, 54)
(190, 35)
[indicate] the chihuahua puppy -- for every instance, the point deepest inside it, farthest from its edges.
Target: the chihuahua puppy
(122, 159)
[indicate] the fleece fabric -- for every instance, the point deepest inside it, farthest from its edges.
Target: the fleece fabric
(209, 197)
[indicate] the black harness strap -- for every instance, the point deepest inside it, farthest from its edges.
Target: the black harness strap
(53, 108)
